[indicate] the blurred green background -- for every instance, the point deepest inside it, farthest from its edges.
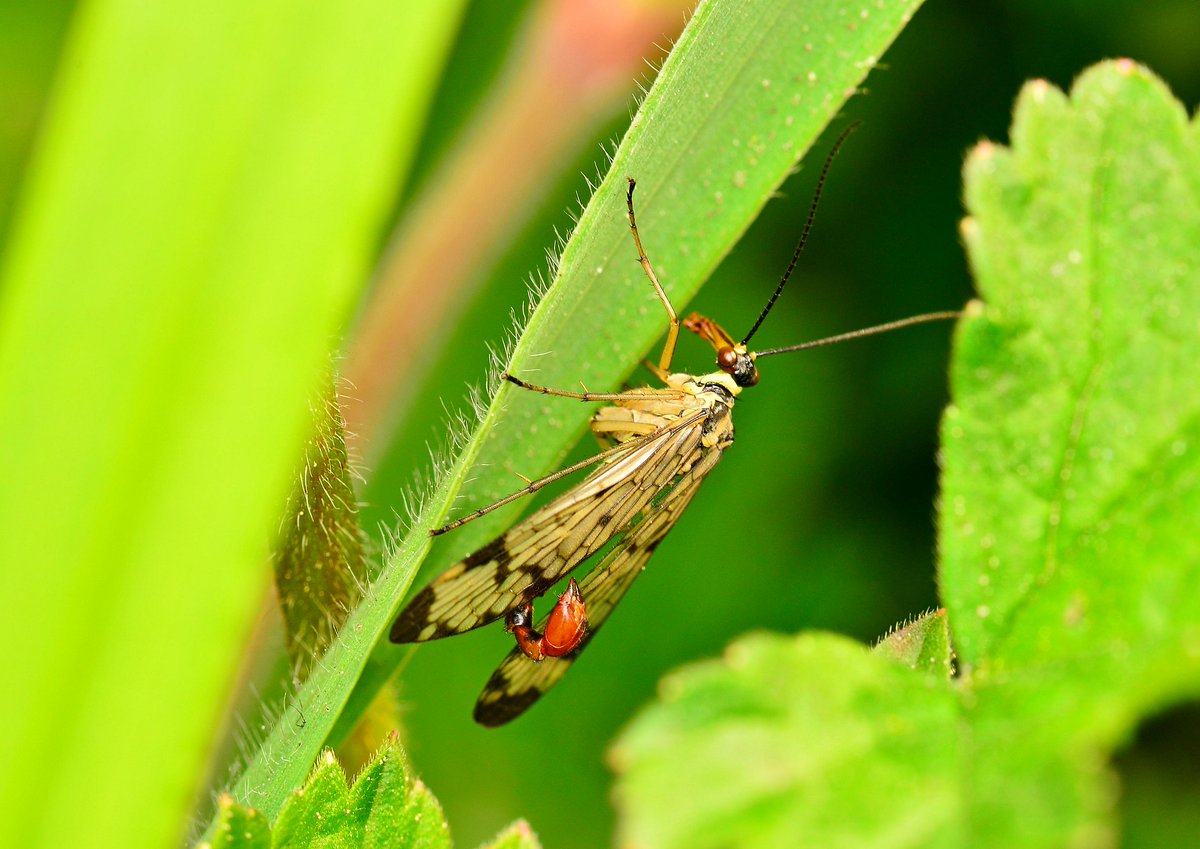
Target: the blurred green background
(822, 516)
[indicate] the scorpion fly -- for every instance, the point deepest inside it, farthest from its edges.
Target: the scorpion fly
(660, 444)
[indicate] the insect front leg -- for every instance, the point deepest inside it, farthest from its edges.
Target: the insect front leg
(664, 361)
(631, 395)
(565, 628)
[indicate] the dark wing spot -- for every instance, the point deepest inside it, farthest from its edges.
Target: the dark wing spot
(495, 550)
(417, 616)
(414, 618)
(505, 706)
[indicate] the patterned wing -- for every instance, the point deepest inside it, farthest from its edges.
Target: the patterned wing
(529, 559)
(519, 682)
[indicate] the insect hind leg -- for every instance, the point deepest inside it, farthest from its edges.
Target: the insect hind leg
(664, 362)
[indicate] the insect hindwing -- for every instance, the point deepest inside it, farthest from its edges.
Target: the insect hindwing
(517, 683)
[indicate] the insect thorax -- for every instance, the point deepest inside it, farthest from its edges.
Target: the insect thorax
(718, 386)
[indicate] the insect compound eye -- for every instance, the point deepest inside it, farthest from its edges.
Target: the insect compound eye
(737, 364)
(744, 372)
(747, 376)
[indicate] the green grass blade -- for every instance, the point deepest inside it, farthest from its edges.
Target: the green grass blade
(203, 208)
(744, 93)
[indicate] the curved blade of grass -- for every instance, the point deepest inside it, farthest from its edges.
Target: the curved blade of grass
(745, 91)
(205, 200)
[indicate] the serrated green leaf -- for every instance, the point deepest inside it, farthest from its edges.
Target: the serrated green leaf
(386, 807)
(1071, 565)
(429, 828)
(921, 644)
(397, 811)
(1071, 570)
(1074, 381)
(810, 741)
(517, 836)
(238, 827)
(318, 814)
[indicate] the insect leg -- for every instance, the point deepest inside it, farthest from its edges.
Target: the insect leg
(664, 361)
(540, 483)
(633, 394)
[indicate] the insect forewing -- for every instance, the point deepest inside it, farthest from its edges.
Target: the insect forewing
(525, 562)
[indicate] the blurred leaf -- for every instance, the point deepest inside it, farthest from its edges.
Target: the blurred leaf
(1071, 569)
(791, 742)
(239, 828)
(200, 214)
(320, 560)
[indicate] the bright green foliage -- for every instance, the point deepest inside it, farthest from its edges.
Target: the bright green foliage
(1070, 564)
(383, 808)
(386, 808)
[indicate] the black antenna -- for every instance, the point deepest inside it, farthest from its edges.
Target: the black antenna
(866, 331)
(812, 214)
